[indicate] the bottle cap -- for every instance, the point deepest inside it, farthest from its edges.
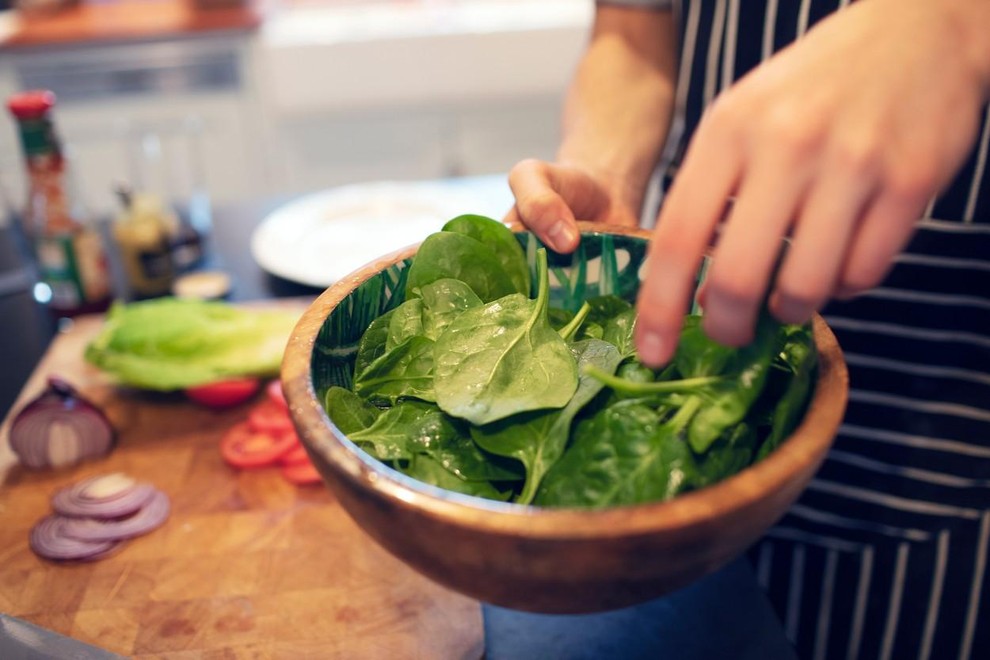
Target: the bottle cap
(32, 104)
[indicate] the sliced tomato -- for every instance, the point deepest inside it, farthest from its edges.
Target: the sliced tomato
(224, 393)
(275, 394)
(302, 474)
(243, 447)
(269, 417)
(295, 457)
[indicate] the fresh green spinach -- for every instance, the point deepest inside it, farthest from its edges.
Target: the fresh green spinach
(501, 241)
(537, 439)
(447, 254)
(504, 358)
(349, 412)
(404, 371)
(623, 455)
(372, 344)
(471, 385)
(428, 470)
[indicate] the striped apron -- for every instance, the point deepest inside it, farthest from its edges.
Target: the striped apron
(885, 555)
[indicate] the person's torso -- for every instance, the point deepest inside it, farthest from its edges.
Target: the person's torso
(913, 455)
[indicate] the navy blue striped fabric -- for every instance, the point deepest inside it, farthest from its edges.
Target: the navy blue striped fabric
(885, 555)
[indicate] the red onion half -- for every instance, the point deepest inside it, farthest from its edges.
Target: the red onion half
(49, 540)
(106, 496)
(59, 428)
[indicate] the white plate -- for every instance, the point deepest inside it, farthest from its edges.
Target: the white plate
(320, 238)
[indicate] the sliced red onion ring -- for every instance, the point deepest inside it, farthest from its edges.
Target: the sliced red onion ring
(48, 539)
(59, 428)
(105, 496)
(149, 517)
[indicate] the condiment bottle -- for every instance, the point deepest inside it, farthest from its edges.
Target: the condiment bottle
(153, 176)
(71, 257)
(143, 231)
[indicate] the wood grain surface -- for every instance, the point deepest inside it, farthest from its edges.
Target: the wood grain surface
(247, 566)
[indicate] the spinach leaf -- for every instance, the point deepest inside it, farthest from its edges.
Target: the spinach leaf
(502, 243)
(623, 455)
(348, 411)
(447, 254)
(415, 427)
(619, 332)
(696, 354)
(427, 315)
(504, 358)
(729, 454)
(443, 301)
(406, 322)
(404, 371)
(429, 470)
(591, 330)
(461, 455)
(605, 308)
(743, 373)
(391, 436)
(559, 317)
(371, 346)
(637, 387)
(637, 372)
(799, 353)
(569, 331)
(537, 439)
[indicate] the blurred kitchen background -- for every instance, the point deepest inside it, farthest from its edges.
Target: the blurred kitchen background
(233, 109)
(246, 99)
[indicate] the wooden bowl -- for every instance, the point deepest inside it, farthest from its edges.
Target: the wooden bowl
(528, 558)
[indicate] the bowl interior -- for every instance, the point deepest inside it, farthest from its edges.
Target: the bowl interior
(604, 263)
(542, 559)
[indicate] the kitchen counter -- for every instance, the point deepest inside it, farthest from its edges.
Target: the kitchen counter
(249, 566)
(127, 20)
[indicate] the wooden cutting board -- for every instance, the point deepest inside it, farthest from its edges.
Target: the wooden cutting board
(247, 566)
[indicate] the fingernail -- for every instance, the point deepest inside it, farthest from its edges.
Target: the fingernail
(651, 348)
(561, 236)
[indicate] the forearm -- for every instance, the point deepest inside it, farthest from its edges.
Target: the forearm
(619, 106)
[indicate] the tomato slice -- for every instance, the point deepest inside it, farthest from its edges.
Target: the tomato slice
(224, 393)
(243, 447)
(275, 394)
(303, 474)
(295, 456)
(269, 417)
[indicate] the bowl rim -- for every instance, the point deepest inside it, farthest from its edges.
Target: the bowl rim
(807, 445)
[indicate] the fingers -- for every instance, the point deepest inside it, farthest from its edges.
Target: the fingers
(813, 265)
(541, 208)
(693, 207)
(884, 231)
(549, 196)
(747, 251)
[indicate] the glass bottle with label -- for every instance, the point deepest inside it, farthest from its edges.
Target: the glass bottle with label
(158, 175)
(71, 257)
(143, 231)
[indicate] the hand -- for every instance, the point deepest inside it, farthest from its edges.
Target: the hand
(840, 141)
(550, 198)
